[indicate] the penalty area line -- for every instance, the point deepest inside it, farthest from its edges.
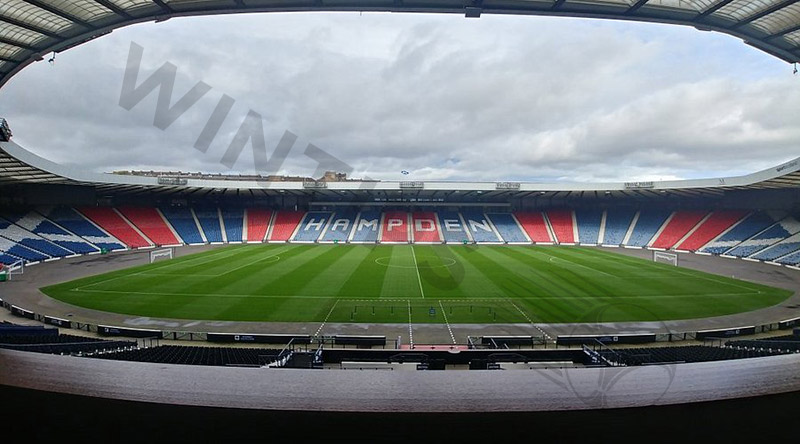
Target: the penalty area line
(326, 317)
(416, 268)
(453, 338)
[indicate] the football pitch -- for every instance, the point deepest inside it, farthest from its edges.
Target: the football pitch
(451, 284)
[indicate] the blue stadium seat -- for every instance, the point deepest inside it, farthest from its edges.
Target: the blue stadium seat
(588, 225)
(209, 221)
(7, 259)
(749, 227)
(37, 224)
(650, 221)
(12, 250)
(479, 226)
(24, 237)
(368, 226)
(74, 222)
(507, 226)
(782, 248)
(452, 228)
(182, 221)
(792, 259)
(772, 235)
(234, 223)
(312, 225)
(340, 227)
(618, 221)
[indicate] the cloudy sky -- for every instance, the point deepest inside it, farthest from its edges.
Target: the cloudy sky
(439, 96)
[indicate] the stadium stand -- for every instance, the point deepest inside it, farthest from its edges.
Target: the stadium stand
(618, 221)
(772, 235)
(149, 221)
(508, 228)
(782, 248)
(648, 224)
(479, 226)
(425, 227)
(48, 340)
(716, 224)
(209, 222)
(24, 237)
(37, 224)
(367, 226)
(535, 226)
(284, 225)
(785, 343)
(452, 227)
(311, 227)
(745, 229)
(340, 226)
(184, 355)
(183, 222)
(792, 259)
(12, 251)
(233, 218)
(111, 222)
(257, 224)
(394, 227)
(78, 224)
(562, 223)
(589, 225)
(678, 227)
(686, 354)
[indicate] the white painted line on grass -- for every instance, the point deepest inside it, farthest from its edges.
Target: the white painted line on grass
(326, 317)
(419, 279)
(453, 338)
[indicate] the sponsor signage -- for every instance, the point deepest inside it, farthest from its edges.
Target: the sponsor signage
(639, 185)
(162, 180)
(507, 185)
(412, 184)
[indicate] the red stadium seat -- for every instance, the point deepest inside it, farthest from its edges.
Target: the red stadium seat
(681, 223)
(711, 228)
(285, 224)
(257, 224)
(563, 225)
(425, 227)
(151, 223)
(395, 226)
(534, 226)
(109, 220)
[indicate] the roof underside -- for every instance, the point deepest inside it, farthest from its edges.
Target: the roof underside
(30, 29)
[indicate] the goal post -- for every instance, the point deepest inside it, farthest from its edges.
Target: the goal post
(164, 253)
(665, 257)
(6, 271)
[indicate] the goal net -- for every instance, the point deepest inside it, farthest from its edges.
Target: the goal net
(157, 255)
(6, 271)
(666, 258)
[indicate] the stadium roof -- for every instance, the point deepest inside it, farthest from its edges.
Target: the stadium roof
(31, 29)
(19, 166)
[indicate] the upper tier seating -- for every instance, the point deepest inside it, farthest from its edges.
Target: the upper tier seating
(774, 234)
(178, 354)
(285, 224)
(149, 221)
(589, 225)
(562, 224)
(37, 224)
(453, 229)
(394, 226)
(341, 226)
(747, 228)
(257, 224)
(717, 223)
(507, 226)
(311, 227)
(183, 222)
(650, 221)
(367, 226)
(13, 252)
(691, 353)
(678, 226)
(782, 248)
(534, 225)
(479, 226)
(110, 221)
(209, 222)
(78, 224)
(233, 218)
(618, 221)
(24, 237)
(425, 227)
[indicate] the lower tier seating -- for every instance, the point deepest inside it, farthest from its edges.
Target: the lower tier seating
(185, 355)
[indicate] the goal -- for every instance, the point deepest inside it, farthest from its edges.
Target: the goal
(6, 271)
(165, 253)
(664, 257)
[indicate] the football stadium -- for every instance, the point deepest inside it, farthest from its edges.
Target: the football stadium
(265, 303)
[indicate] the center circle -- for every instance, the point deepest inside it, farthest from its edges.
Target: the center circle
(385, 262)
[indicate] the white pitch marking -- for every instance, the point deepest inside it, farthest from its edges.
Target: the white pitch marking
(453, 338)
(326, 317)
(419, 279)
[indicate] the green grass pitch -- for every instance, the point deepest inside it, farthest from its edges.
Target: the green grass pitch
(417, 284)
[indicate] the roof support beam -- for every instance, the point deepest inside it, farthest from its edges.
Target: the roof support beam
(635, 7)
(784, 32)
(558, 4)
(17, 44)
(42, 5)
(774, 8)
(116, 9)
(164, 6)
(712, 9)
